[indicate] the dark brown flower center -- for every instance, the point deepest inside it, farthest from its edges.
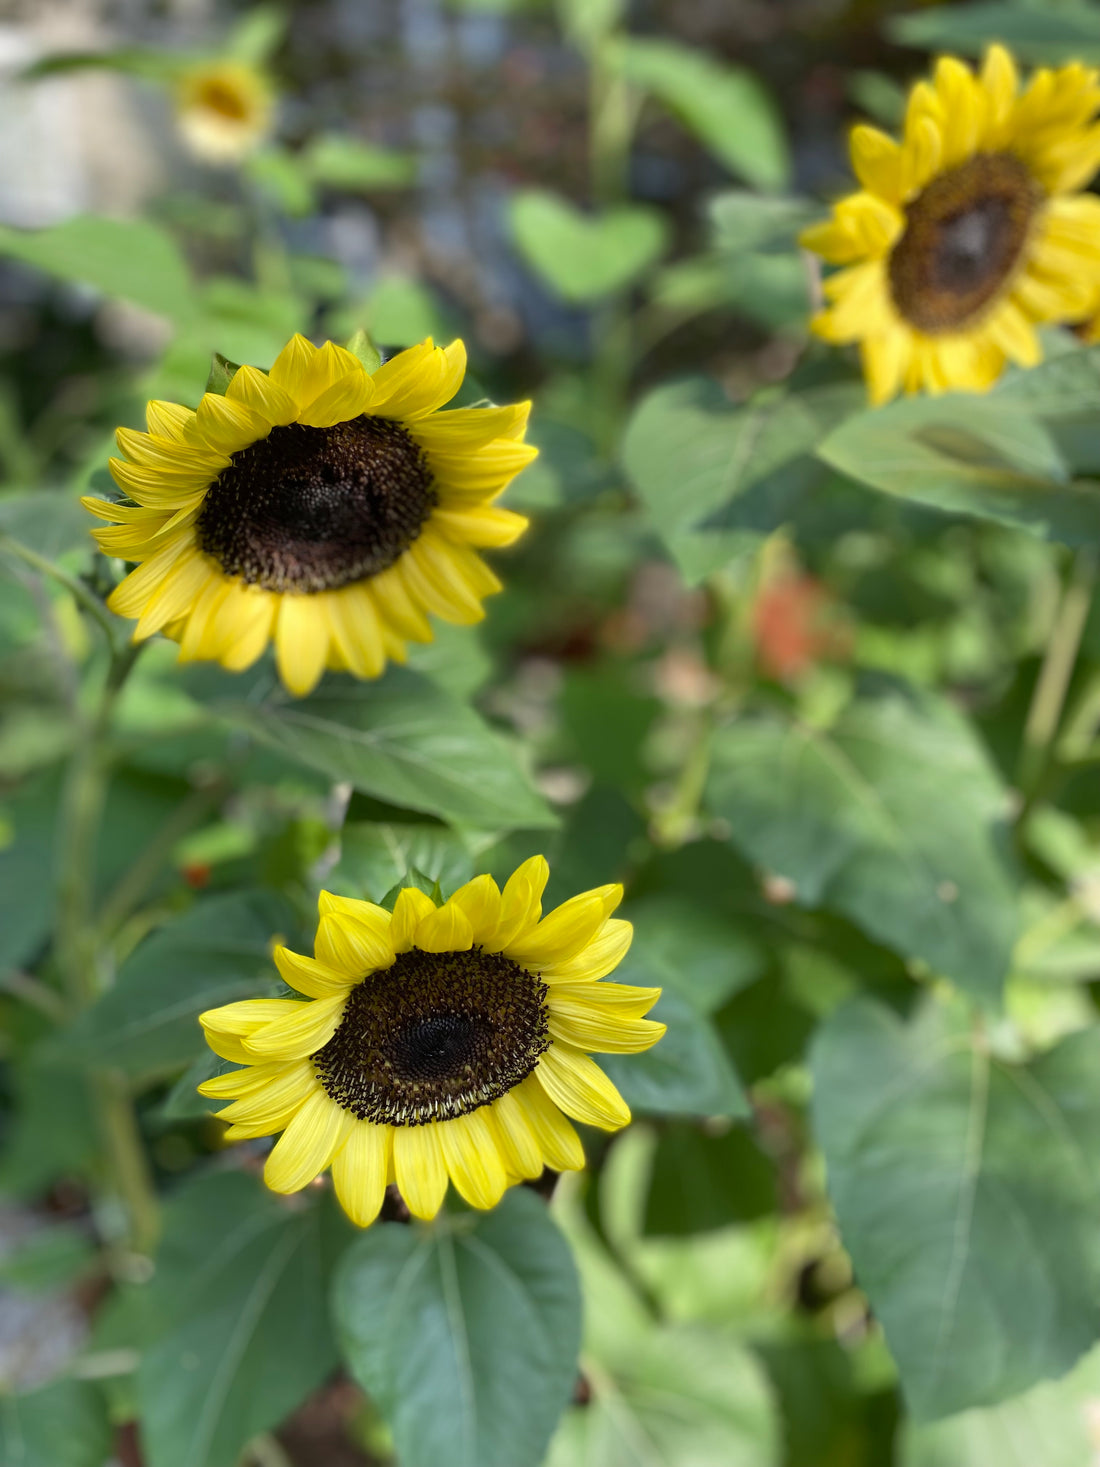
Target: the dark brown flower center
(963, 239)
(314, 509)
(226, 101)
(435, 1036)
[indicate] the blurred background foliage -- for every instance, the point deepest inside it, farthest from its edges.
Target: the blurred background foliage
(822, 685)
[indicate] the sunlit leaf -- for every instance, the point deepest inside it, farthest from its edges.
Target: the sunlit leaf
(584, 257)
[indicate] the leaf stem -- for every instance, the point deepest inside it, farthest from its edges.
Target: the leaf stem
(1053, 682)
(76, 587)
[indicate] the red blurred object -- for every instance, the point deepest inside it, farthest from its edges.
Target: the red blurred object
(794, 626)
(197, 875)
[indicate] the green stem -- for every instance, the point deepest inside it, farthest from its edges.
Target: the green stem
(77, 953)
(1053, 682)
(674, 824)
(76, 588)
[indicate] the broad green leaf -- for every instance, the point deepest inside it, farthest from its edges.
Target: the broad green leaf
(701, 1180)
(52, 1258)
(217, 952)
(222, 372)
(338, 161)
(374, 856)
(62, 1425)
(1037, 33)
(771, 288)
(27, 820)
(280, 175)
(715, 478)
(53, 1130)
(695, 947)
(585, 257)
(980, 456)
(727, 109)
(48, 523)
(239, 1331)
(672, 1396)
(1054, 1424)
(890, 817)
(257, 34)
(968, 1194)
(131, 259)
(465, 1334)
(742, 221)
(404, 740)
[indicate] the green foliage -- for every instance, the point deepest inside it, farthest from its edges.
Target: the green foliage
(237, 1326)
(61, 1425)
(402, 739)
(584, 257)
(965, 1187)
(465, 1333)
(724, 106)
(131, 259)
(216, 953)
(890, 816)
(1047, 34)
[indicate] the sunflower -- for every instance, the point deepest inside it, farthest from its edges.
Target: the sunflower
(970, 231)
(437, 1042)
(319, 506)
(224, 110)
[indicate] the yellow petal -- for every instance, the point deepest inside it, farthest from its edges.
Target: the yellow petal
(468, 429)
(591, 1027)
(301, 1033)
(521, 901)
(360, 1169)
(483, 525)
(264, 397)
(560, 1145)
(276, 1102)
(129, 598)
(519, 1147)
(409, 910)
(876, 161)
(884, 361)
(169, 419)
(353, 622)
(226, 1027)
(301, 644)
(307, 1145)
(175, 595)
(567, 930)
(397, 607)
(348, 397)
(240, 1082)
(290, 369)
(419, 1169)
(247, 613)
(579, 1087)
(308, 976)
(228, 426)
(479, 900)
(1000, 80)
(617, 1000)
(598, 958)
(445, 929)
(350, 946)
(472, 1158)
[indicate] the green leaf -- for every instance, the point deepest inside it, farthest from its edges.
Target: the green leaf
(967, 1191)
(258, 34)
(53, 1131)
(587, 23)
(742, 221)
(890, 817)
(677, 1396)
(465, 1333)
(222, 372)
(130, 259)
(27, 868)
(727, 109)
(585, 257)
(406, 741)
(375, 856)
(1054, 1424)
(1037, 33)
(338, 161)
(702, 1180)
(63, 1425)
(714, 478)
(280, 175)
(360, 345)
(52, 1258)
(239, 1328)
(695, 947)
(980, 456)
(48, 523)
(217, 952)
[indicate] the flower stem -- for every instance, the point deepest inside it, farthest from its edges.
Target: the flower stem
(1053, 682)
(77, 952)
(77, 589)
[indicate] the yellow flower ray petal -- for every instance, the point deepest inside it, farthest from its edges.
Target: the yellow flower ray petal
(472, 1158)
(419, 1169)
(580, 1088)
(308, 1144)
(297, 1035)
(360, 1169)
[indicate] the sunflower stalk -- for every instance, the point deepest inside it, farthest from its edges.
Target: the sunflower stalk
(77, 949)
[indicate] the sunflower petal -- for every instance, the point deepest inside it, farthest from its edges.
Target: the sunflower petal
(579, 1087)
(472, 1158)
(360, 1169)
(301, 1033)
(308, 1144)
(419, 1169)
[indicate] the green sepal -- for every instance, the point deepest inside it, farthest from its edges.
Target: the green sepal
(222, 372)
(361, 346)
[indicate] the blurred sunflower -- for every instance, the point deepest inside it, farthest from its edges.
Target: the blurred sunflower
(320, 506)
(970, 231)
(224, 110)
(439, 1042)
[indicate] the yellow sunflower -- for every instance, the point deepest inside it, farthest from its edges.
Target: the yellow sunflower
(435, 1043)
(318, 506)
(224, 110)
(970, 231)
